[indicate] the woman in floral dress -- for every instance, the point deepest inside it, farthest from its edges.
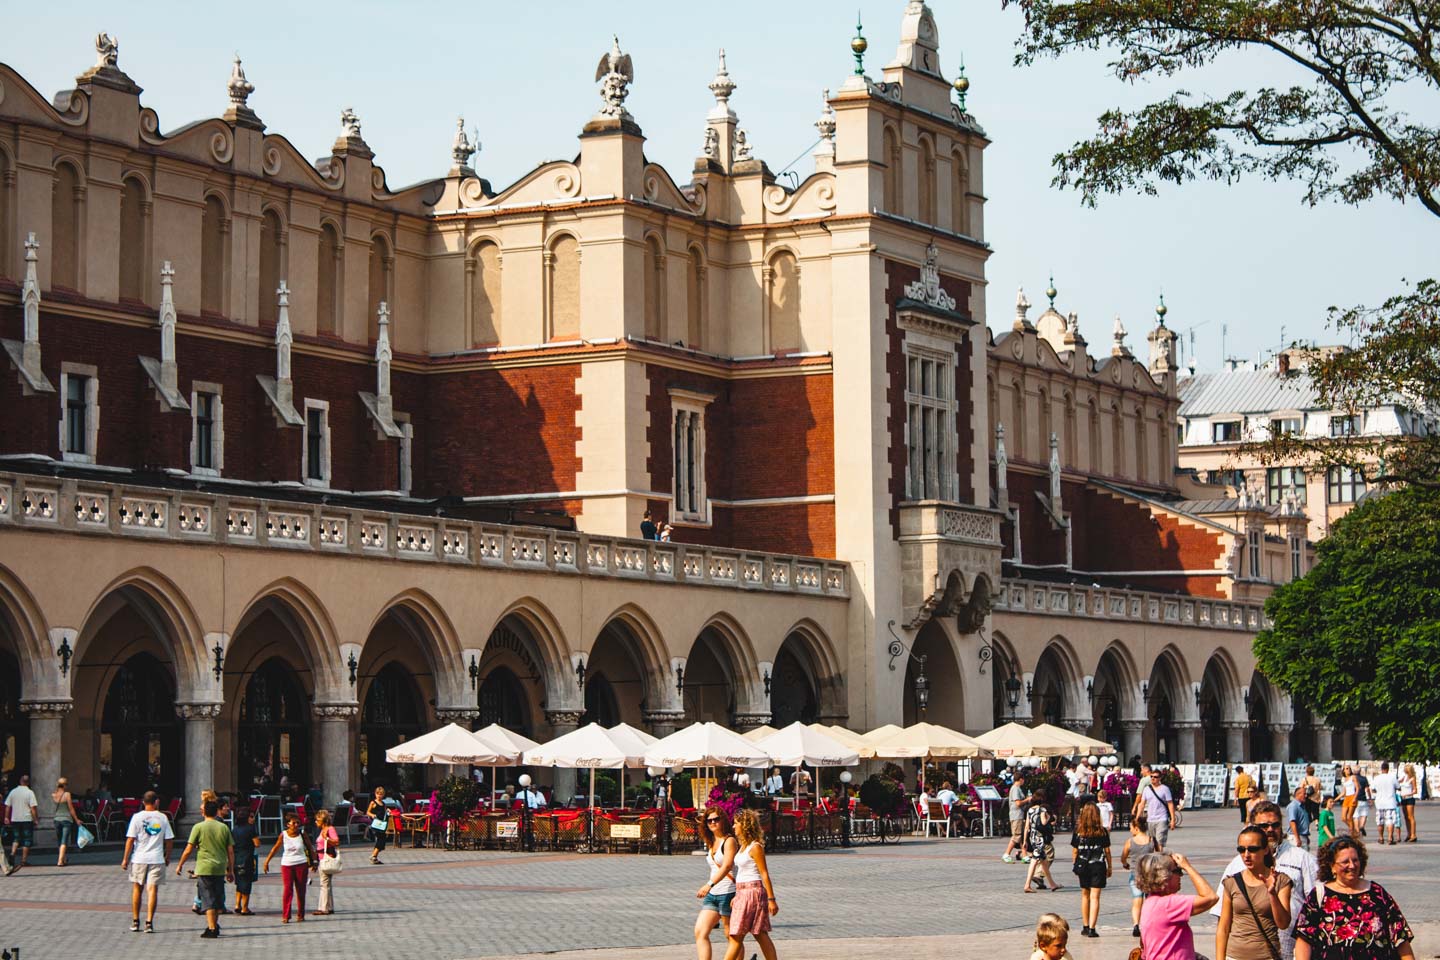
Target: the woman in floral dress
(1349, 917)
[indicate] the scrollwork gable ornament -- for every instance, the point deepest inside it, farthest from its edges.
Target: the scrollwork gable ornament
(927, 289)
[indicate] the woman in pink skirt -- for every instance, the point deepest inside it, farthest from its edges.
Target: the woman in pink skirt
(755, 901)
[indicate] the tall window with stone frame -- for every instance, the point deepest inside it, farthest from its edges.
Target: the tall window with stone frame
(930, 425)
(1253, 542)
(316, 453)
(1344, 484)
(79, 413)
(687, 431)
(207, 426)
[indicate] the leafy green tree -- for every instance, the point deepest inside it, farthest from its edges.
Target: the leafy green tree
(1358, 637)
(1344, 131)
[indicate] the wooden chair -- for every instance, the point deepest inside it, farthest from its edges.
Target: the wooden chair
(936, 817)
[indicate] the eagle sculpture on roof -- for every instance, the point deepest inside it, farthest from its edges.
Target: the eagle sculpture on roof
(615, 73)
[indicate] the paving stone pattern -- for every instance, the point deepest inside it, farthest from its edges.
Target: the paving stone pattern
(943, 895)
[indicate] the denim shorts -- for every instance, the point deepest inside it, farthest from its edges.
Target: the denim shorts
(1135, 892)
(719, 902)
(64, 832)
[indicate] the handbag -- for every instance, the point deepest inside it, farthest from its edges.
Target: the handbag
(1271, 945)
(331, 864)
(83, 836)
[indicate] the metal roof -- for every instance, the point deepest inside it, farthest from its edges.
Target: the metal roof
(1246, 392)
(1220, 505)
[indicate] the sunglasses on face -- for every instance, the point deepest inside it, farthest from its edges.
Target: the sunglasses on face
(712, 819)
(1269, 825)
(1241, 848)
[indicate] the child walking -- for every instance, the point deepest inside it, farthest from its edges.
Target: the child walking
(1136, 847)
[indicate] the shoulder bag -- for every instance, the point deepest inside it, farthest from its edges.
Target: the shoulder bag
(331, 863)
(1273, 946)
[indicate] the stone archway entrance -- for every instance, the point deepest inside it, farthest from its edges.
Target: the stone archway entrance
(794, 686)
(272, 735)
(140, 736)
(393, 712)
(943, 683)
(710, 681)
(14, 725)
(616, 681)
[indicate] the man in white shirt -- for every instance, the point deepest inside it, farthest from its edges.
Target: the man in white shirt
(1297, 864)
(534, 799)
(148, 843)
(1385, 788)
(20, 811)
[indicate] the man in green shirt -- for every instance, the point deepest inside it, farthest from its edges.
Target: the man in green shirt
(214, 851)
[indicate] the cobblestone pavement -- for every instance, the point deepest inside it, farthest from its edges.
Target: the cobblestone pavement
(926, 898)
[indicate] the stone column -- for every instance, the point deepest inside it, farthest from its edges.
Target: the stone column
(1362, 743)
(662, 723)
(1185, 732)
(337, 748)
(46, 760)
(749, 721)
(1324, 743)
(199, 753)
(1280, 741)
(1132, 738)
(1236, 741)
(561, 723)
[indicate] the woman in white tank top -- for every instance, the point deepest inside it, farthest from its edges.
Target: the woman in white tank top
(295, 857)
(719, 889)
(755, 901)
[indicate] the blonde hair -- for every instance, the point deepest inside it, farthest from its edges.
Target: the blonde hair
(62, 784)
(1051, 929)
(322, 818)
(747, 828)
(208, 795)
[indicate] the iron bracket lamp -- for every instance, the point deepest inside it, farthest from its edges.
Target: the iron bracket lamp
(1145, 690)
(680, 681)
(897, 649)
(580, 674)
(219, 653)
(1013, 686)
(766, 680)
(65, 653)
(354, 666)
(1090, 690)
(474, 673)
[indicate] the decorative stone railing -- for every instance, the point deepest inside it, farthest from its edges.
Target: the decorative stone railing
(95, 508)
(1073, 600)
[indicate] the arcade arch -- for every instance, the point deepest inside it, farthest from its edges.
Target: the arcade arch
(1169, 703)
(943, 679)
(1057, 679)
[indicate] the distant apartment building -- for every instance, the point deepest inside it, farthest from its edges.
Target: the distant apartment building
(1221, 412)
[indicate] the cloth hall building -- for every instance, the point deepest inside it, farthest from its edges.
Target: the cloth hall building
(296, 463)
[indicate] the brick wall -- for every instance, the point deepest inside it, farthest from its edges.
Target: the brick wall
(765, 437)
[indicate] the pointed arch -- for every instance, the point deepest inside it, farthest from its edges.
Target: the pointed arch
(654, 288)
(696, 293)
(927, 185)
(67, 225)
(134, 253)
(273, 240)
(892, 196)
(23, 621)
(549, 641)
(815, 646)
(1056, 698)
(562, 286)
(214, 255)
(482, 273)
(426, 620)
(783, 307)
(960, 193)
(164, 607)
(650, 642)
(381, 284)
(309, 623)
(328, 283)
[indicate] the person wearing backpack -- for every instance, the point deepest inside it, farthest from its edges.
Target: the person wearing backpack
(1091, 863)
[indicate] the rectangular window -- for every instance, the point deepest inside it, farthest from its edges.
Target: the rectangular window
(79, 412)
(1226, 478)
(1254, 542)
(1346, 426)
(1281, 482)
(687, 422)
(930, 426)
(1297, 558)
(1286, 426)
(1225, 431)
(1344, 484)
(316, 466)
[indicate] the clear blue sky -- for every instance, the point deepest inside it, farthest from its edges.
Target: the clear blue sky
(1251, 257)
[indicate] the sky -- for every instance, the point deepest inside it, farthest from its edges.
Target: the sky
(1247, 266)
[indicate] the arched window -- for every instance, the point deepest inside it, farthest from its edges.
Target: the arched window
(7, 175)
(892, 198)
(565, 288)
(1017, 420)
(272, 254)
(1046, 427)
(654, 290)
(66, 198)
(695, 299)
(1142, 444)
(382, 266)
(133, 248)
(959, 194)
(1068, 453)
(1093, 455)
(327, 301)
(485, 295)
(213, 227)
(784, 277)
(1117, 441)
(927, 181)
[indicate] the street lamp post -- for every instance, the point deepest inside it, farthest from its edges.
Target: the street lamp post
(845, 778)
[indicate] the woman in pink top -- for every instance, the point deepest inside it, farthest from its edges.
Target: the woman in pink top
(1165, 917)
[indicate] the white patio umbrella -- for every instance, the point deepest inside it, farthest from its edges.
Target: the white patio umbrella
(450, 744)
(1083, 744)
(705, 745)
(508, 739)
(880, 733)
(759, 733)
(1018, 740)
(589, 748)
(634, 741)
(798, 745)
(855, 741)
(929, 741)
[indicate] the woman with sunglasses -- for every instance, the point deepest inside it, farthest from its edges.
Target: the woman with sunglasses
(1165, 916)
(1254, 903)
(719, 889)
